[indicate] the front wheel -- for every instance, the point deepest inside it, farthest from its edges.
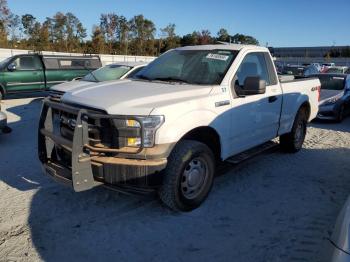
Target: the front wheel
(293, 141)
(341, 114)
(188, 177)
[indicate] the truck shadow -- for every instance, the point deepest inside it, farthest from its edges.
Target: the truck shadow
(20, 95)
(331, 125)
(264, 208)
(18, 151)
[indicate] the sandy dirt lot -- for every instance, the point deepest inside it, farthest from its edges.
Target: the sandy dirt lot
(274, 207)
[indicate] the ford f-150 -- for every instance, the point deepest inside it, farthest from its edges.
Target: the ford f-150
(166, 129)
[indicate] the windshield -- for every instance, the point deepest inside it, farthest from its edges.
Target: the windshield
(335, 70)
(107, 73)
(201, 67)
(332, 82)
(5, 61)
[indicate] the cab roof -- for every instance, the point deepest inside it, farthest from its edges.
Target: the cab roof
(132, 64)
(234, 47)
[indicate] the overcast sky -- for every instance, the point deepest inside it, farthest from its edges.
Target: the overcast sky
(278, 23)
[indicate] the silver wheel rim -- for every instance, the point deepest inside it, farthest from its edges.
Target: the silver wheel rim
(194, 178)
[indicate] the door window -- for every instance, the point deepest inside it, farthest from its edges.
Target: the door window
(253, 64)
(27, 63)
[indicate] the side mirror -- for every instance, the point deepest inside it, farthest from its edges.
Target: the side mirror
(11, 67)
(253, 85)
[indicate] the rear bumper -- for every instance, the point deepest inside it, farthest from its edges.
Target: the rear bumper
(88, 166)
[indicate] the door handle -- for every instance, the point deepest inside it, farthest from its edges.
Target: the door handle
(272, 99)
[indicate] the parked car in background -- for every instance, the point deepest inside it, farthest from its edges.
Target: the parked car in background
(336, 70)
(165, 129)
(311, 70)
(300, 71)
(328, 64)
(316, 65)
(334, 97)
(109, 72)
(35, 72)
(325, 66)
(295, 70)
(279, 67)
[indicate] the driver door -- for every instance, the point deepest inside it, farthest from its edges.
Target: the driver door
(26, 75)
(254, 118)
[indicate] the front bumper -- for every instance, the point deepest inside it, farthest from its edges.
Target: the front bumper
(82, 165)
(329, 112)
(3, 120)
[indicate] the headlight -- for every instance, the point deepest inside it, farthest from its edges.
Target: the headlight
(150, 125)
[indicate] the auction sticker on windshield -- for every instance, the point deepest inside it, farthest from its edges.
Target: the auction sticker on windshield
(217, 57)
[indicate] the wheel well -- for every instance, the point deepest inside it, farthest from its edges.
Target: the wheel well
(306, 106)
(2, 90)
(208, 136)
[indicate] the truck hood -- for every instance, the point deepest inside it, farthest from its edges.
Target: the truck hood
(133, 97)
(68, 86)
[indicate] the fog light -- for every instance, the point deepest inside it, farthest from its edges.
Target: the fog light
(134, 141)
(132, 123)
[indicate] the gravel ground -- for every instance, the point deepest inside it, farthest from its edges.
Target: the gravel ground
(274, 207)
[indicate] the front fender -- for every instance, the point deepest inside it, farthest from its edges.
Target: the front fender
(174, 129)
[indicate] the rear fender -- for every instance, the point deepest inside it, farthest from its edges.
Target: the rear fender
(289, 110)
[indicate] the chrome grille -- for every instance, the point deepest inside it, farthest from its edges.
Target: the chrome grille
(55, 95)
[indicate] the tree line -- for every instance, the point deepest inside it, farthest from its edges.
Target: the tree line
(114, 34)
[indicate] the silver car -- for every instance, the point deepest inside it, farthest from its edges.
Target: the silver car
(335, 96)
(339, 243)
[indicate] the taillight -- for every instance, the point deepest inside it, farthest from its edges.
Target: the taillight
(318, 93)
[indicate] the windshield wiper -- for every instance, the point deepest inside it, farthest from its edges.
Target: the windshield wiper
(93, 75)
(171, 79)
(143, 77)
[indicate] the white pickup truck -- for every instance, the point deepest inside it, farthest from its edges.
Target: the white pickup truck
(166, 129)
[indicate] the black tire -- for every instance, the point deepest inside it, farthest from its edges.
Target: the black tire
(181, 170)
(6, 130)
(341, 114)
(292, 142)
(1, 95)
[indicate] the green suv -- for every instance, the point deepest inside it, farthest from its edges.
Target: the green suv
(35, 72)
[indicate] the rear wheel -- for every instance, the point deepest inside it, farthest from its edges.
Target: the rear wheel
(293, 141)
(188, 176)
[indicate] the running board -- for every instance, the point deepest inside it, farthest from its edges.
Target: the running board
(252, 152)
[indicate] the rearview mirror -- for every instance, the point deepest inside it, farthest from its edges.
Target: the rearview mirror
(253, 85)
(11, 67)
